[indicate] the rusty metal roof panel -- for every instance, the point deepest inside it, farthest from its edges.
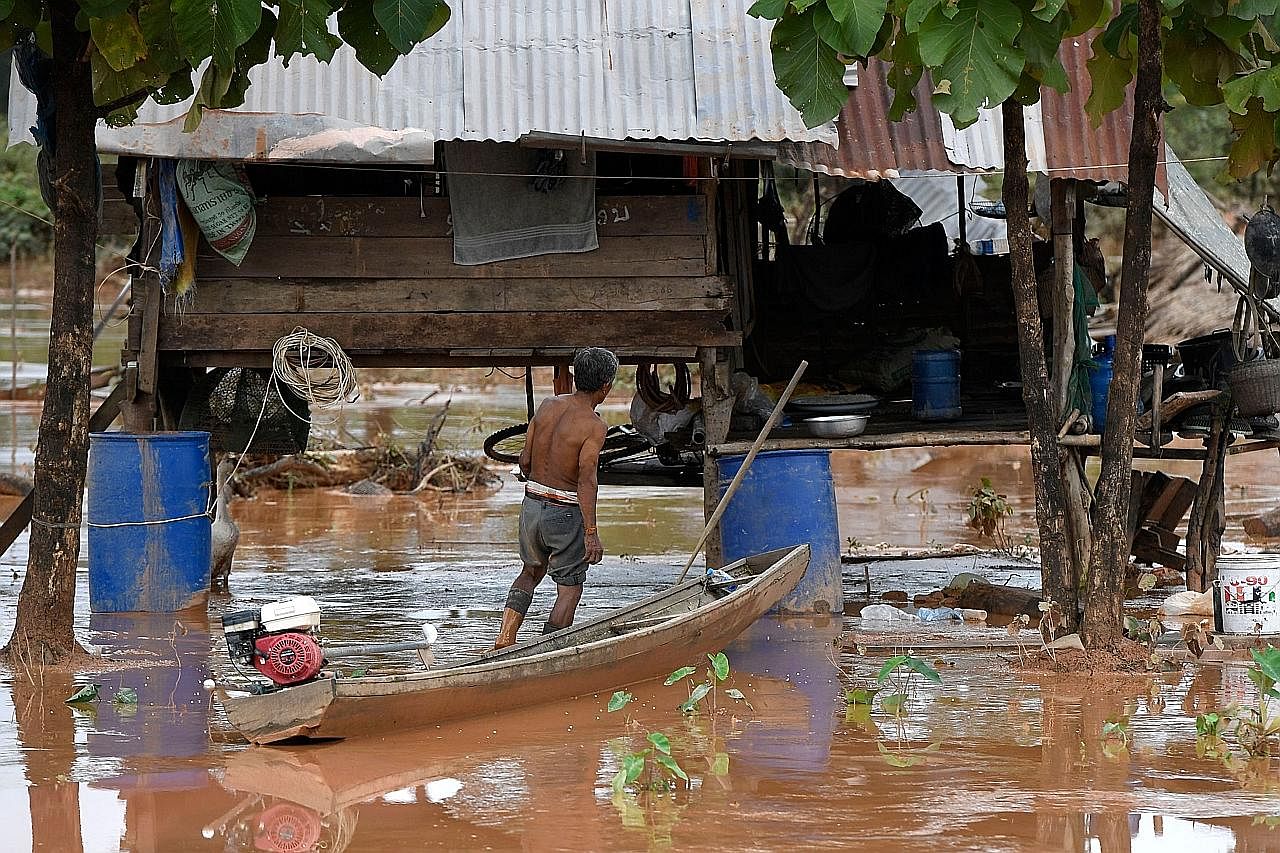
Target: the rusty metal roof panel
(615, 69)
(871, 145)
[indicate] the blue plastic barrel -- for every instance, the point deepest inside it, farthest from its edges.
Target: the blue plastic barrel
(1100, 390)
(786, 499)
(149, 545)
(935, 385)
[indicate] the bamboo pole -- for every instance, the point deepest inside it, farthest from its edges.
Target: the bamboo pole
(774, 417)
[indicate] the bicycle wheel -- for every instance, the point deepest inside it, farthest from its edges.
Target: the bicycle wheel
(620, 442)
(506, 444)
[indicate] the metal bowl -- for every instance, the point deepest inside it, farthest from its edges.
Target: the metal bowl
(837, 426)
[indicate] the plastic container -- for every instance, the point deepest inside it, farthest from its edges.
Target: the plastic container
(787, 499)
(1246, 595)
(935, 385)
(149, 544)
(1100, 390)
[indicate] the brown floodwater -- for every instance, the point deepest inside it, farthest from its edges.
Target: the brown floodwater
(996, 760)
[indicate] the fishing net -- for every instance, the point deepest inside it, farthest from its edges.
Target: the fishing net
(228, 404)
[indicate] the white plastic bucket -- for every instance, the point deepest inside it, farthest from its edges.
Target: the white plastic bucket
(1247, 594)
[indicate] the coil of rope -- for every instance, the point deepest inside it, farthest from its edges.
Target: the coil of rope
(315, 368)
(649, 387)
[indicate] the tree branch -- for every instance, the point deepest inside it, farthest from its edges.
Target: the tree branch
(120, 103)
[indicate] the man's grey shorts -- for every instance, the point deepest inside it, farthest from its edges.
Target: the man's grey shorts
(552, 537)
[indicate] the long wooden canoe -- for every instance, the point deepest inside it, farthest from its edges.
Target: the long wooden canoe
(635, 643)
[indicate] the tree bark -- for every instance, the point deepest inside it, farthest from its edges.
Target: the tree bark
(1104, 602)
(1057, 576)
(46, 608)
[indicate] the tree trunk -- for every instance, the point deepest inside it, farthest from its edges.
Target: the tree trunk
(1104, 607)
(1057, 576)
(46, 607)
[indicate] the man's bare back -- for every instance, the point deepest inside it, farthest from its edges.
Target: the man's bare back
(554, 445)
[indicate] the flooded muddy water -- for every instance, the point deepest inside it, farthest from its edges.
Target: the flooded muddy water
(986, 760)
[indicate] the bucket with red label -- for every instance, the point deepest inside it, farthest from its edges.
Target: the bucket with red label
(1247, 594)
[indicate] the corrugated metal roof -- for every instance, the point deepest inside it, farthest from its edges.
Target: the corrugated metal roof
(615, 69)
(870, 145)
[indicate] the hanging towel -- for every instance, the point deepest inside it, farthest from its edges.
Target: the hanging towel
(500, 212)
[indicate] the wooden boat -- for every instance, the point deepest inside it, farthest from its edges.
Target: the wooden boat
(642, 641)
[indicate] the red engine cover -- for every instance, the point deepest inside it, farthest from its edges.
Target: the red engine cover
(288, 658)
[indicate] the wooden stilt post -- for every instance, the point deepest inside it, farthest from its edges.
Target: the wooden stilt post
(1078, 496)
(717, 409)
(1208, 512)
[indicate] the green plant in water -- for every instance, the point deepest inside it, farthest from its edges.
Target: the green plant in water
(1254, 728)
(655, 767)
(1115, 737)
(988, 510)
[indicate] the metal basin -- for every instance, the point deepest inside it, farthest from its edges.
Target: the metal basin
(837, 426)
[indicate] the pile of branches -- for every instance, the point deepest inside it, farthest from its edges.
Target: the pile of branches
(369, 470)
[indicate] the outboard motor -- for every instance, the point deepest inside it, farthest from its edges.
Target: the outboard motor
(278, 640)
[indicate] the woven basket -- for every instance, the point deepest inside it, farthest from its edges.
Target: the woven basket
(1255, 386)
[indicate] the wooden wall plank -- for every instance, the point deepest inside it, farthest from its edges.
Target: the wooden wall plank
(427, 332)
(319, 216)
(418, 257)
(326, 296)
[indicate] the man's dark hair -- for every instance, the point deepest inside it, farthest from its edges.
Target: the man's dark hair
(594, 368)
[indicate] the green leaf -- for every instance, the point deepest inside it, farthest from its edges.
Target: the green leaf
(111, 85)
(88, 693)
(660, 742)
(619, 700)
(682, 672)
(304, 28)
(735, 694)
(894, 704)
(975, 53)
(104, 8)
(719, 663)
(923, 668)
(917, 11)
(850, 26)
(359, 28)
(119, 40)
(1041, 40)
(215, 29)
(1250, 10)
(633, 766)
(807, 69)
(895, 759)
(176, 90)
(1047, 10)
(769, 9)
(1108, 77)
(889, 666)
(720, 766)
(407, 22)
(126, 696)
(1254, 142)
(860, 696)
(1264, 84)
(620, 781)
(1268, 660)
(670, 763)
(695, 697)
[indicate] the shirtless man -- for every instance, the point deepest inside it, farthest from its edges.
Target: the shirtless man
(558, 517)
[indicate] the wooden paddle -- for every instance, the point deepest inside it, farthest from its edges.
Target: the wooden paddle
(774, 417)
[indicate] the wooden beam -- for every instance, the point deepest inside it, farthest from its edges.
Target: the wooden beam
(379, 217)
(435, 332)
(99, 421)
(512, 357)
(328, 296)
(412, 257)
